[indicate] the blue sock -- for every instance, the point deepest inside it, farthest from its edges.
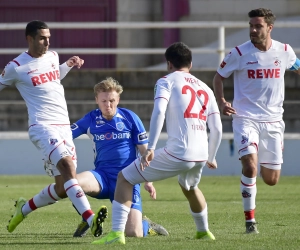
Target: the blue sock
(145, 228)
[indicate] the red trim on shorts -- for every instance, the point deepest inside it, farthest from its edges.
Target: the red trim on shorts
(181, 159)
(138, 169)
(238, 50)
(16, 62)
(87, 214)
(253, 143)
(285, 47)
(270, 163)
(162, 98)
(248, 185)
(55, 148)
(72, 186)
(50, 193)
(31, 204)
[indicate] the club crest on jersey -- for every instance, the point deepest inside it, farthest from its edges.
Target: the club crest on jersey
(277, 62)
(244, 139)
(53, 141)
(136, 198)
(53, 65)
(120, 126)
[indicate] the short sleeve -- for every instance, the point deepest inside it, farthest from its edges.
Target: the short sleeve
(229, 64)
(139, 133)
(81, 126)
(292, 57)
(162, 89)
(8, 76)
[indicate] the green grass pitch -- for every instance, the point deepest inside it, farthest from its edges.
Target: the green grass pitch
(52, 227)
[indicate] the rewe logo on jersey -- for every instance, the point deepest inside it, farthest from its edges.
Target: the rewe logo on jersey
(44, 78)
(263, 73)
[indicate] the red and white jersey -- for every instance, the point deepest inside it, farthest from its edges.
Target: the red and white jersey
(190, 102)
(258, 79)
(38, 81)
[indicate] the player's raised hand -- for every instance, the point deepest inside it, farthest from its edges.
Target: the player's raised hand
(150, 189)
(212, 165)
(146, 158)
(75, 61)
(227, 109)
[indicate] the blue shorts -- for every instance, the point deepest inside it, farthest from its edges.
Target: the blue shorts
(108, 182)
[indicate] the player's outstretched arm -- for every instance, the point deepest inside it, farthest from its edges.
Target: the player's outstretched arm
(69, 64)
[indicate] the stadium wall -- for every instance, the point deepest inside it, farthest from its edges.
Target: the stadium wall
(20, 157)
(137, 96)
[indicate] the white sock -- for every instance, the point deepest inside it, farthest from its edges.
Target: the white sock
(79, 200)
(248, 191)
(46, 197)
(201, 220)
(119, 216)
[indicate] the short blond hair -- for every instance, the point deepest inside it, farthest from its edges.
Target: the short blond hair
(108, 85)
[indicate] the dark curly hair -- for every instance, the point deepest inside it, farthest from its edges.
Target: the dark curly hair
(265, 13)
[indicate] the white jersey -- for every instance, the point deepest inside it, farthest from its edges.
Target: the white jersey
(258, 79)
(190, 102)
(38, 81)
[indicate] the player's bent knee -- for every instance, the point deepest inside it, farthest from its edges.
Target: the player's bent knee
(60, 191)
(270, 174)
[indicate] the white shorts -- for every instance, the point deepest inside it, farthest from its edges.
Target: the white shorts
(164, 166)
(54, 142)
(263, 138)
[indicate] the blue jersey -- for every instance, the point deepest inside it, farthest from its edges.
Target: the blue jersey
(114, 140)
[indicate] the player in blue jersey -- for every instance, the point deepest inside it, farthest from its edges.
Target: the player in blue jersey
(118, 134)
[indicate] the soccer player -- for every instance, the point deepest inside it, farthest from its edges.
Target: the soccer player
(37, 75)
(188, 105)
(117, 133)
(258, 66)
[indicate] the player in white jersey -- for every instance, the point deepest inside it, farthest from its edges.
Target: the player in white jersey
(188, 105)
(37, 75)
(259, 66)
